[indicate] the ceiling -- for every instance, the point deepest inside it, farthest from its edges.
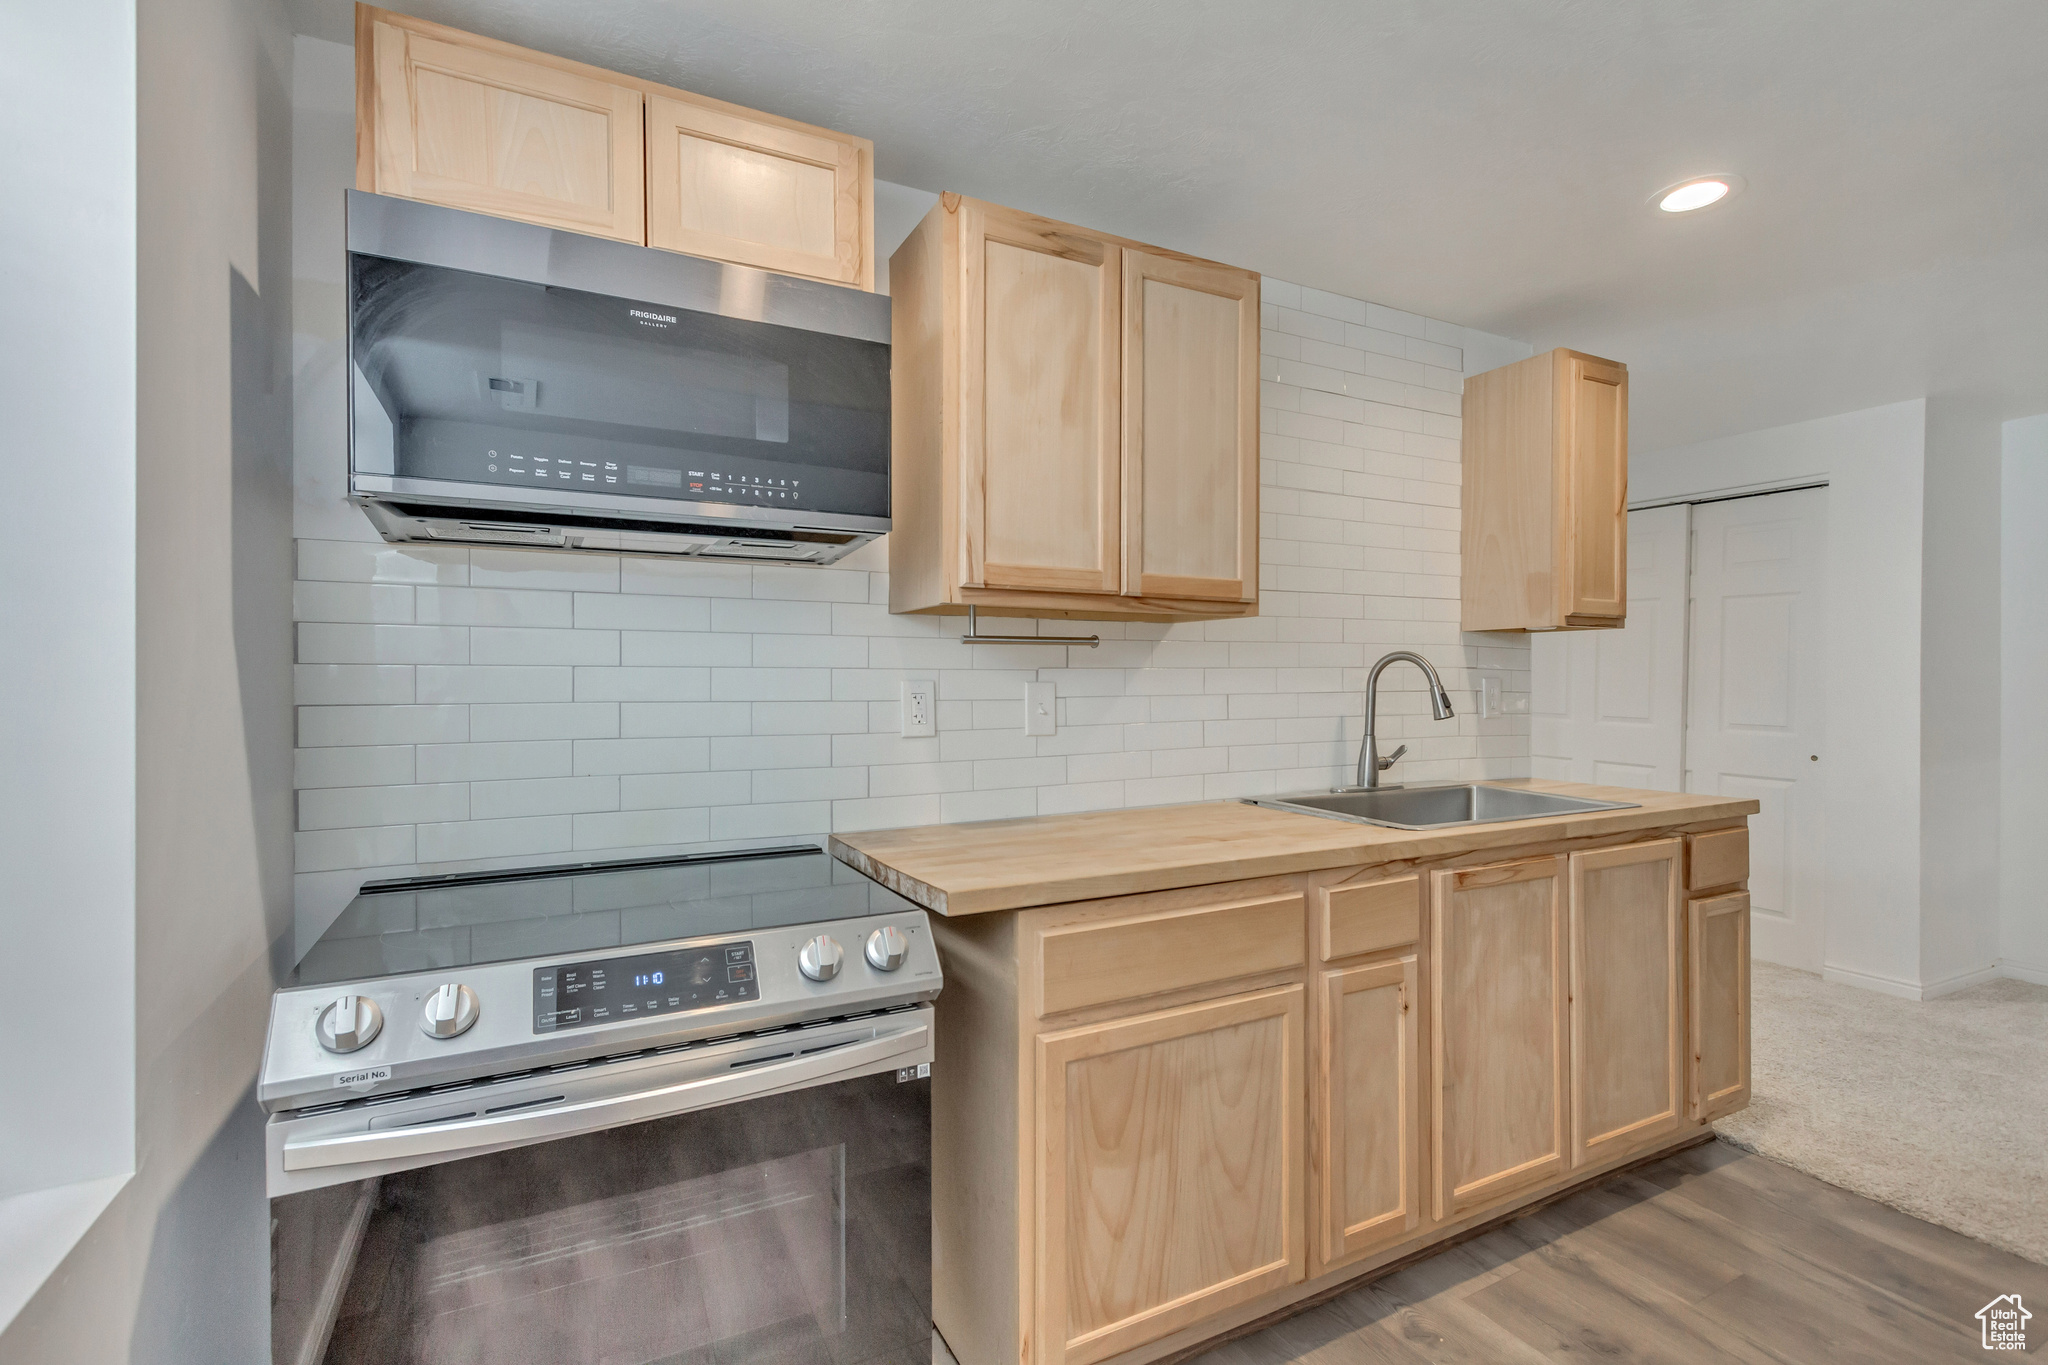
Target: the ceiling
(1486, 162)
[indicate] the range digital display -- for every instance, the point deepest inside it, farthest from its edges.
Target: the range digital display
(610, 990)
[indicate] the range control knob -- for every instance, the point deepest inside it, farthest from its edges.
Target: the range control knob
(451, 1010)
(351, 1022)
(887, 948)
(820, 959)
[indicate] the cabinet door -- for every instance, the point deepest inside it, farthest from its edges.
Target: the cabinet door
(1593, 411)
(1627, 1061)
(1368, 1147)
(1040, 462)
(1717, 991)
(1497, 1041)
(475, 125)
(1191, 429)
(1170, 1186)
(755, 191)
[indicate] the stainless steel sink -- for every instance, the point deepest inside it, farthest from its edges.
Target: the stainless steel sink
(1433, 807)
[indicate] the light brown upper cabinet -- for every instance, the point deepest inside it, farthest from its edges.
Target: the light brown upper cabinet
(1075, 423)
(1546, 495)
(741, 186)
(472, 123)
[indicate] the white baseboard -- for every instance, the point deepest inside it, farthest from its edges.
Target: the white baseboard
(2021, 971)
(1918, 990)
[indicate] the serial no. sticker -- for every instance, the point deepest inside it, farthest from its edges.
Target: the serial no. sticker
(369, 1077)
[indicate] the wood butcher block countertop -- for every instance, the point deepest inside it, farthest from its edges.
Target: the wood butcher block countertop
(971, 869)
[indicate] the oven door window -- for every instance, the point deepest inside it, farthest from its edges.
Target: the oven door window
(469, 378)
(794, 1228)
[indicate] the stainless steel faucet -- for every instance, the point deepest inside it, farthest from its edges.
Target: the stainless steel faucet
(1370, 764)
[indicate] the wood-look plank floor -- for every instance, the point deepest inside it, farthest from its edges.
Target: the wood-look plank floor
(1710, 1255)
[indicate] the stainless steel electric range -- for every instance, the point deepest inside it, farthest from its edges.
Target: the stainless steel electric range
(649, 1111)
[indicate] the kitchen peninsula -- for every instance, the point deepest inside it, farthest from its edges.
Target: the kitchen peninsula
(1199, 1064)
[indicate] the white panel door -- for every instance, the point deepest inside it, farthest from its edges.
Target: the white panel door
(1754, 724)
(1608, 706)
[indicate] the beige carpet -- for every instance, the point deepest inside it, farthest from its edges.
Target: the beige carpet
(1936, 1107)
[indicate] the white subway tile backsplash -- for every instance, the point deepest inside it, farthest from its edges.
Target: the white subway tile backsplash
(620, 611)
(388, 765)
(329, 850)
(773, 618)
(461, 683)
(359, 684)
(616, 756)
(458, 705)
(495, 761)
(542, 796)
(545, 720)
(672, 791)
(375, 562)
(492, 607)
(496, 646)
(358, 807)
(320, 726)
(641, 828)
(363, 602)
(330, 643)
(643, 684)
(461, 841)
(679, 649)
(543, 570)
(683, 719)
(771, 822)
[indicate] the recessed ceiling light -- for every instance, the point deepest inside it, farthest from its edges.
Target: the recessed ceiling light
(1696, 193)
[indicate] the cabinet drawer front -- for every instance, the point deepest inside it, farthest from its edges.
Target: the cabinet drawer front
(1170, 1183)
(1719, 858)
(1369, 917)
(1126, 959)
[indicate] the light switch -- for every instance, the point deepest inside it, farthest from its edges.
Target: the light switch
(919, 715)
(1489, 696)
(1038, 708)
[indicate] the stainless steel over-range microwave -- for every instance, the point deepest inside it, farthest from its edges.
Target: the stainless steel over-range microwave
(516, 385)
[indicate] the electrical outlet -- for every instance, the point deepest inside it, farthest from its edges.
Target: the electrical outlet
(1038, 708)
(1489, 696)
(920, 714)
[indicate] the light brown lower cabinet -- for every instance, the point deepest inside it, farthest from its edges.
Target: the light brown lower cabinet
(1718, 993)
(1170, 1186)
(1500, 1022)
(1627, 942)
(1367, 1098)
(1159, 1116)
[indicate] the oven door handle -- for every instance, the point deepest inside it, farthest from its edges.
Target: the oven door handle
(589, 1116)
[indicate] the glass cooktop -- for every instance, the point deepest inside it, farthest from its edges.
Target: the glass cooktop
(426, 923)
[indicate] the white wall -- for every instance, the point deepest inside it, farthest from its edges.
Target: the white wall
(1959, 696)
(465, 707)
(176, 1269)
(1874, 464)
(67, 619)
(2023, 667)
